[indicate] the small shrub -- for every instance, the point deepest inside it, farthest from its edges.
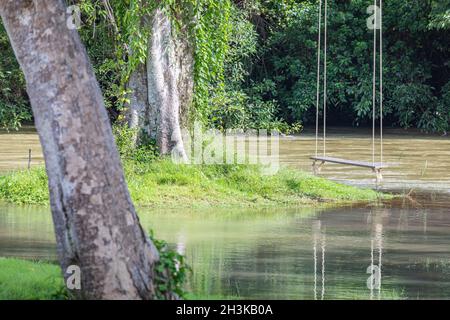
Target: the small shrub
(171, 271)
(143, 151)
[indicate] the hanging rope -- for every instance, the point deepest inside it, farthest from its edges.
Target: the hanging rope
(378, 24)
(318, 78)
(381, 82)
(374, 80)
(325, 81)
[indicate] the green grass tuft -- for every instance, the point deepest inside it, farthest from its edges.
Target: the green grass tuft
(25, 187)
(29, 280)
(165, 184)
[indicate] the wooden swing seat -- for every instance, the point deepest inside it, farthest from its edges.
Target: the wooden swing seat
(318, 162)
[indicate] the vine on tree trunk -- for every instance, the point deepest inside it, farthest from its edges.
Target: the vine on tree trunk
(205, 22)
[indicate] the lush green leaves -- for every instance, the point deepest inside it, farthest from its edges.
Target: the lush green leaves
(14, 107)
(416, 62)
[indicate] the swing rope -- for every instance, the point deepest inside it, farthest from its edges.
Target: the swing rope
(378, 24)
(374, 81)
(325, 82)
(324, 78)
(318, 78)
(381, 82)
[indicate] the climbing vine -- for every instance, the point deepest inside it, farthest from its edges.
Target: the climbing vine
(206, 23)
(171, 271)
(123, 22)
(212, 44)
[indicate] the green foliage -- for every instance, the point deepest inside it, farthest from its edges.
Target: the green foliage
(118, 45)
(416, 62)
(243, 104)
(142, 152)
(440, 14)
(14, 107)
(100, 41)
(171, 270)
(211, 46)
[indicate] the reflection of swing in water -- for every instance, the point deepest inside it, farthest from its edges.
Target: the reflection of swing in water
(376, 244)
(319, 236)
(319, 161)
(374, 280)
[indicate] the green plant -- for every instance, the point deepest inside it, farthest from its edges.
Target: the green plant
(171, 271)
(211, 33)
(134, 146)
(14, 105)
(243, 103)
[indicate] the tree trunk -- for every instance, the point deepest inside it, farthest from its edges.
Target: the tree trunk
(95, 222)
(138, 108)
(169, 80)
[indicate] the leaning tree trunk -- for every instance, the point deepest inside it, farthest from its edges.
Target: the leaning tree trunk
(96, 224)
(169, 81)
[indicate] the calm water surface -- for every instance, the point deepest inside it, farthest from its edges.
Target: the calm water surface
(294, 253)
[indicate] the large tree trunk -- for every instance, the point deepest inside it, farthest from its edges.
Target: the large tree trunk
(169, 80)
(96, 224)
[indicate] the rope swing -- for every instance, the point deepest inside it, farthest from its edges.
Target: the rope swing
(376, 167)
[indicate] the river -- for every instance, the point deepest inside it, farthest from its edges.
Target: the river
(394, 250)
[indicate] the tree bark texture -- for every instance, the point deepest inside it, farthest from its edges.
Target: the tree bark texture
(95, 221)
(169, 80)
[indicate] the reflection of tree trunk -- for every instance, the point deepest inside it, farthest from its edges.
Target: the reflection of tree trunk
(96, 224)
(169, 81)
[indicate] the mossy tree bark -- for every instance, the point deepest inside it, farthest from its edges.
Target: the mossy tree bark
(162, 90)
(95, 221)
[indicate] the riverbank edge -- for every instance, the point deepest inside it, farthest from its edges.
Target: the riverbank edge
(22, 279)
(163, 184)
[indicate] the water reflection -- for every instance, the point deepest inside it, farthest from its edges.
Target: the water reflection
(319, 240)
(397, 250)
(374, 280)
(26, 232)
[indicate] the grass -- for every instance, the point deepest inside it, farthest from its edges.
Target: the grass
(165, 184)
(30, 280)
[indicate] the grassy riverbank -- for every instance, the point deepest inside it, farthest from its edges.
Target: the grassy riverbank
(36, 280)
(30, 280)
(164, 184)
